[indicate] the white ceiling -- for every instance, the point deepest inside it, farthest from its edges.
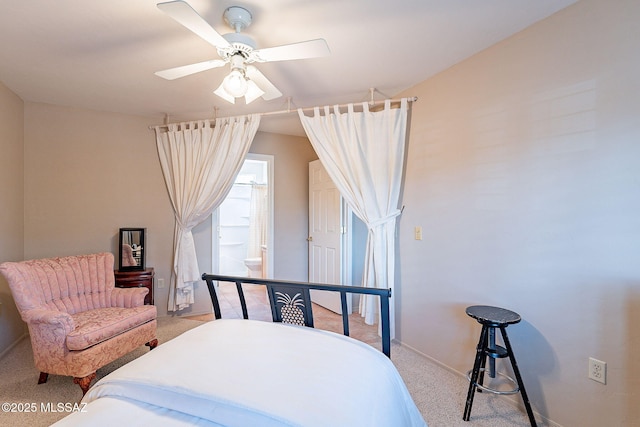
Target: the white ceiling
(102, 54)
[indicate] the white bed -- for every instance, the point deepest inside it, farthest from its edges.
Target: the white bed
(253, 373)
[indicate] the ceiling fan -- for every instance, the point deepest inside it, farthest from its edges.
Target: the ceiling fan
(239, 51)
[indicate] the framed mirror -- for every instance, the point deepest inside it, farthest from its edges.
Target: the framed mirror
(132, 249)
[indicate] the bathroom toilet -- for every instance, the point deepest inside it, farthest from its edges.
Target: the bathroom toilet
(255, 267)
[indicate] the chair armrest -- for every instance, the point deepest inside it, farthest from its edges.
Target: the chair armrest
(48, 330)
(128, 297)
(50, 319)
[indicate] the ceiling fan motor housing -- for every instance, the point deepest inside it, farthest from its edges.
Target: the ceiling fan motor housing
(240, 44)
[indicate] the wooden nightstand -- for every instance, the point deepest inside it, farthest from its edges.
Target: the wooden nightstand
(137, 279)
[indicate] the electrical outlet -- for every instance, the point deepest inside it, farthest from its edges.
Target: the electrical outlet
(418, 233)
(160, 283)
(598, 370)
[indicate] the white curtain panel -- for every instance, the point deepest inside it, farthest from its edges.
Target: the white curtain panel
(258, 212)
(199, 163)
(363, 153)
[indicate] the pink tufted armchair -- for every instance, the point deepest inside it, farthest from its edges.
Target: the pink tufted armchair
(78, 320)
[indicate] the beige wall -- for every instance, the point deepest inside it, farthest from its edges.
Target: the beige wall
(89, 173)
(11, 208)
(291, 205)
(524, 172)
(291, 199)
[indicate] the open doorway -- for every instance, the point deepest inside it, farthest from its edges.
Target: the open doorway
(243, 224)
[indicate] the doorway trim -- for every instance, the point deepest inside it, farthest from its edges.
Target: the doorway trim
(215, 219)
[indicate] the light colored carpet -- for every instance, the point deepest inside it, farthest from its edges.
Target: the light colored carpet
(19, 378)
(438, 393)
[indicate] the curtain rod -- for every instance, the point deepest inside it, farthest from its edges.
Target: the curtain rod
(295, 110)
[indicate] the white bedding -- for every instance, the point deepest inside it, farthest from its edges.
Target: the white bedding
(252, 373)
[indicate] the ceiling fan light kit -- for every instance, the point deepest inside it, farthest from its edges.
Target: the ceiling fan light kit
(235, 84)
(253, 92)
(223, 94)
(238, 50)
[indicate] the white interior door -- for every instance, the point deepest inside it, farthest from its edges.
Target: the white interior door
(325, 237)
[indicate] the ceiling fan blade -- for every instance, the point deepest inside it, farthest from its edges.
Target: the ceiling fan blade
(270, 91)
(185, 70)
(302, 50)
(185, 15)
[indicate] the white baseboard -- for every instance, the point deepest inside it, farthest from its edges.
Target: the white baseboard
(13, 344)
(512, 401)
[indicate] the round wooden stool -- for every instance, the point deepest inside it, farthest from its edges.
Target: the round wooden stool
(491, 318)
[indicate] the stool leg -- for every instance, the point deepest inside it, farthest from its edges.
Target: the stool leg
(483, 362)
(516, 371)
(480, 356)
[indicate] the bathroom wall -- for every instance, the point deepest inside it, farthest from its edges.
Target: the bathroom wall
(234, 219)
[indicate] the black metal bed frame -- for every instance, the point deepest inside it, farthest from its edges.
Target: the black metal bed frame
(294, 298)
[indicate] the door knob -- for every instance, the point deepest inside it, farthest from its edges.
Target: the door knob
(310, 239)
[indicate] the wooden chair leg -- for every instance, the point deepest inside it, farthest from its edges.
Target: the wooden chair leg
(43, 378)
(152, 344)
(84, 382)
